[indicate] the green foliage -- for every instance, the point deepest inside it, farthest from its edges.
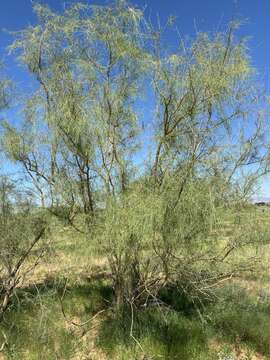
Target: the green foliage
(170, 239)
(88, 62)
(172, 229)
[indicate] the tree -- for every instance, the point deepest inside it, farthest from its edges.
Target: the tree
(206, 98)
(79, 137)
(88, 65)
(210, 151)
(21, 230)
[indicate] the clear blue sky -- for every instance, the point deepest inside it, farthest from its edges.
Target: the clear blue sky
(205, 15)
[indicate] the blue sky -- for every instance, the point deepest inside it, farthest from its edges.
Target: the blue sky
(204, 15)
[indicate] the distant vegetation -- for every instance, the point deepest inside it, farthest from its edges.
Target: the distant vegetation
(131, 235)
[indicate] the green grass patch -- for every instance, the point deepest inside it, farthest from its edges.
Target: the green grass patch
(243, 318)
(35, 326)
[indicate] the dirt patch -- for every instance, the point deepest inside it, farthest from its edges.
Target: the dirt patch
(87, 348)
(237, 351)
